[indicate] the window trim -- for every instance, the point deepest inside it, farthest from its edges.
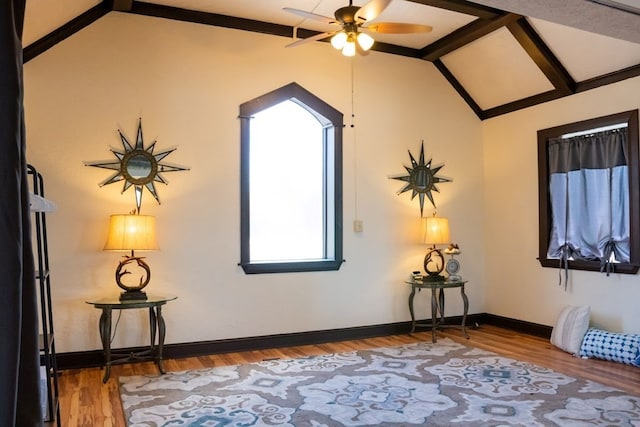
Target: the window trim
(544, 205)
(332, 121)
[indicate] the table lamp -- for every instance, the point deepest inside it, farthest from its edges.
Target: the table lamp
(436, 232)
(132, 232)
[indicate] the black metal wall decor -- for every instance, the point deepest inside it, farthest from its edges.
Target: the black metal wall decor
(422, 179)
(137, 166)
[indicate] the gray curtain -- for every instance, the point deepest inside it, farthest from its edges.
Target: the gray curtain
(19, 352)
(589, 192)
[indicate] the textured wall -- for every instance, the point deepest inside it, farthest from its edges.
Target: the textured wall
(187, 81)
(583, 14)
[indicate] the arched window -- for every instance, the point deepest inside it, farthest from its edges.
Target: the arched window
(291, 183)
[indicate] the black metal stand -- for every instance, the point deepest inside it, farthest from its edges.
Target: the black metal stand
(43, 278)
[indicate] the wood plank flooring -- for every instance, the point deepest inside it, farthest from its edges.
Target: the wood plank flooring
(86, 402)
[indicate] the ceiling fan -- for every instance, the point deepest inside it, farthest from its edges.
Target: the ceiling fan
(355, 22)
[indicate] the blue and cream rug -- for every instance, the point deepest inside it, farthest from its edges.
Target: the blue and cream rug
(443, 384)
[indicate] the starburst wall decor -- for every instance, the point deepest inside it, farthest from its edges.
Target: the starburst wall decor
(137, 166)
(422, 179)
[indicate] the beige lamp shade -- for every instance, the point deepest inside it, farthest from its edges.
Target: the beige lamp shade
(131, 232)
(436, 231)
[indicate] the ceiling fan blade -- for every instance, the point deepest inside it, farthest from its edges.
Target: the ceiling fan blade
(310, 39)
(397, 28)
(371, 10)
(310, 15)
(361, 51)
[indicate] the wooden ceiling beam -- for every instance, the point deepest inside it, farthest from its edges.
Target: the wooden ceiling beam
(122, 5)
(465, 35)
(67, 30)
(542, 56)
(609, 78)
(188, 15)
(462, 6)
(458, 87)
(519, 104)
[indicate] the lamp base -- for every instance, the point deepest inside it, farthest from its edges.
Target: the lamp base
(134, 292)
(434, 264)
(133, 296)
(433, 278)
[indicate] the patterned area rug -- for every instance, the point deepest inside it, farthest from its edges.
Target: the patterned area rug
(441, 384)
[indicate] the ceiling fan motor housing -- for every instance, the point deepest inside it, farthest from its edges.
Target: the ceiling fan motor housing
(346, 15)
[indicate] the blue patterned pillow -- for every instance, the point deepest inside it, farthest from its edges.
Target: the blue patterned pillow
(624, 348)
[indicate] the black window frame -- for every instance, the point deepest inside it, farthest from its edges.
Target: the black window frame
(544, 204)
(332, 121)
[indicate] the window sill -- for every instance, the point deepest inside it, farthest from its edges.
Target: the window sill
(291, 267)
(622, 268)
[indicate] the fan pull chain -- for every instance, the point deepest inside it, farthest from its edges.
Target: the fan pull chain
(352, 94)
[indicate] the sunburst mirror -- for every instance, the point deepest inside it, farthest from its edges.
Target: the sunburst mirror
(422, 179)
(137, 166)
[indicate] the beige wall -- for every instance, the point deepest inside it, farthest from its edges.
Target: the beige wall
(186, 81)
(516, 285)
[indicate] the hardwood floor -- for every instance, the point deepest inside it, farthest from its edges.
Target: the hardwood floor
(86, 402)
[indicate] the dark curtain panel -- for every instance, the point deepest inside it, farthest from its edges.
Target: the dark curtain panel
(589, 191)
(19, 352)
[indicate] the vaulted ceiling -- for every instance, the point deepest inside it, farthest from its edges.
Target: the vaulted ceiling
(499, 55)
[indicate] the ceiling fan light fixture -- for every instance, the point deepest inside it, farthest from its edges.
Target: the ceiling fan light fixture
(339, 40)
(365, 41)
(349, 48)
(352, 19)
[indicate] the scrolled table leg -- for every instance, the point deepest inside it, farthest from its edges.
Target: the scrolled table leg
(441, 305)
(413, 316)
(105, 335)
(152, 327)
(465, 300)
(161, 333)
(434, 314)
